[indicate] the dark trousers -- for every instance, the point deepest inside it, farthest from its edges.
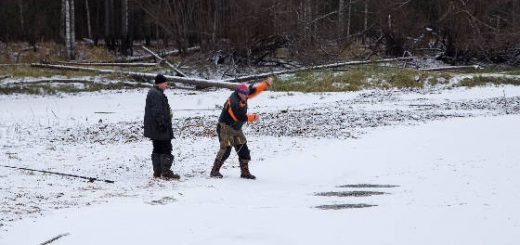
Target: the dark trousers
(162, 146)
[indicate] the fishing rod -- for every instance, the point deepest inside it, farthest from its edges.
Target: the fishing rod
(90, 179)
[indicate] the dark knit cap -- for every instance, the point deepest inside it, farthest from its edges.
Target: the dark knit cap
(160, 78)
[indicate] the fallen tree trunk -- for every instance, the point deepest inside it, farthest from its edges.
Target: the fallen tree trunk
(16, 64)
(51, 80)
(308, 68)
(106, 64)
(185, 80)
(72, 80)
(446, 68)
(162, 54)
(4, 77)
(162, 60)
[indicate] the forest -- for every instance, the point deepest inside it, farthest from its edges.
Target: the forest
(310, 31)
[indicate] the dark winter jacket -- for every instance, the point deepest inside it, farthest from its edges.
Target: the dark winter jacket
(234, 112)
(157, 116)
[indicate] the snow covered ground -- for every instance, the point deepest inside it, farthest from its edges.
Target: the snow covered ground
(449, 157)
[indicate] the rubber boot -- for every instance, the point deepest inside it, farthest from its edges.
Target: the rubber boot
(156, 163)
(215, 170)
(166, 164)
(244, 170)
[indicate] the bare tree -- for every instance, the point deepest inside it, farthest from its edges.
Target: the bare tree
(349, 17)
(341, 17)
(89, 26)
(307, 18)
(365, 22)
(109, 24)
(68, 18)
(72, 30)
(124, 18)
(22, 20)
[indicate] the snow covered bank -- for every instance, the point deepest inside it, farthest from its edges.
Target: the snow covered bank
(457, 185)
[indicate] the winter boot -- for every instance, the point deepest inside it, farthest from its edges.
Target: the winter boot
(215, 170)
(156, 163)
(244, 170)
(166, 164)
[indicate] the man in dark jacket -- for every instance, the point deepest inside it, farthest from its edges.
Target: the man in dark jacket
(158, 127)
(229, 127)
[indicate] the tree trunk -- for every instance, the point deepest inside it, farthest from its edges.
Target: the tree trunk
(67, 30)
(107, 18)
(307, 17)
(341, 18)
(89, 27)
(126, 42)
(109, 27)
(390, 22)
(446, 68)
(216, 8)
(365, 27)
(124, 18)
(68, 19)
(349, 17)
(22, 20)
(72, 29)
(514, 12)
(184, 80)
(157, 37)
(309, 68)
(63, 20)
(498, 24)
(108, 64)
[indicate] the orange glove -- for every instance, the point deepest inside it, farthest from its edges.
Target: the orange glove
(252, 118)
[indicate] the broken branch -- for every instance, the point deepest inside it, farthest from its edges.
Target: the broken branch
(162, 60)
(162, 54)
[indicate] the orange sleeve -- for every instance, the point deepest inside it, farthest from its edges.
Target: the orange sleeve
(260, 87)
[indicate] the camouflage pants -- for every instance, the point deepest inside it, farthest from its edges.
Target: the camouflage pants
(229, 137)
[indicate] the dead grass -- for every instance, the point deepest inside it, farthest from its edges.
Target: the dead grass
(358, 78)
(21, 52)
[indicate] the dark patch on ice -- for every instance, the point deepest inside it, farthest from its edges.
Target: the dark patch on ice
(367, 186)
(350, 193)
(162, 201)
(344, 206)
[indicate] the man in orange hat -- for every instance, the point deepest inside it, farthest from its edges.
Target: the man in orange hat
(229, 127)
